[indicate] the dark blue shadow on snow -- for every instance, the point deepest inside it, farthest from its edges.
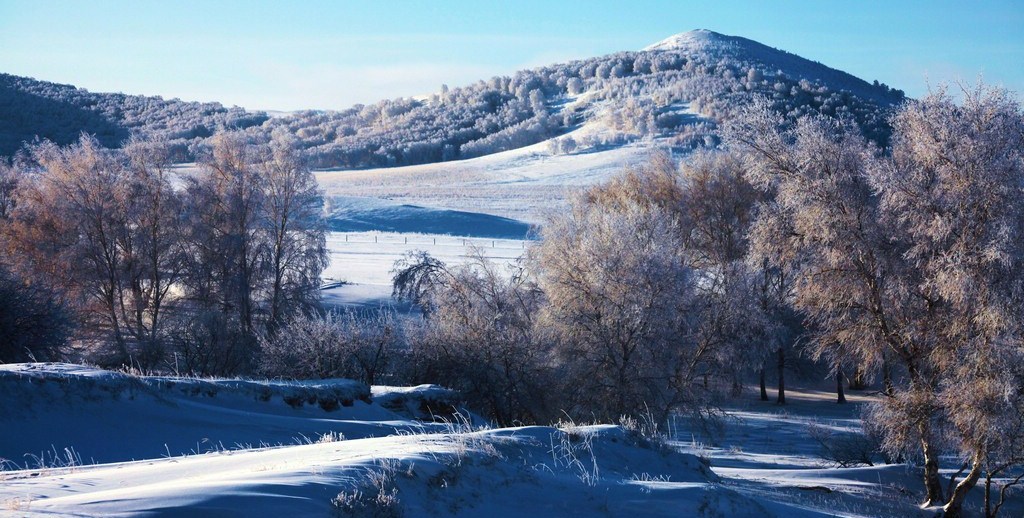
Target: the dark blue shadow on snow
(411, 218)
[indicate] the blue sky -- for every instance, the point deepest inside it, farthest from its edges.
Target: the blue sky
(332, 54)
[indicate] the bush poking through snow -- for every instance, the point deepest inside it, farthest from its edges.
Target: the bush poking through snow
(644, 433)
(375, 497)
(572, 447)
(337, 345)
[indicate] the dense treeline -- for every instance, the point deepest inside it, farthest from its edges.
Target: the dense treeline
(683, 94)
(60, 113)
(154, 270)
(638, 94)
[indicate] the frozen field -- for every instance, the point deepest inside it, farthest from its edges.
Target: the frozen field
(361, 265)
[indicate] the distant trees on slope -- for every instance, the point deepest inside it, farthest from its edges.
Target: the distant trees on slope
(637, 94)
(59, 113)
(640, 95)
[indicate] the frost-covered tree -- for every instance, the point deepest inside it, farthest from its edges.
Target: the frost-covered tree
(146, 258)
(255, 244)
(152, 243)
(67, 227)
(913, 258)
(295, 229)
(8, 186)
(825, 223)
(225, 205)
(620, 296)
(743, 301)
(103, 228)
(480, 335)
(954, 192)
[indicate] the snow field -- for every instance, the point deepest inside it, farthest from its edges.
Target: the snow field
(522, 184)
(443, 469)
(361, 263)
(167, 446)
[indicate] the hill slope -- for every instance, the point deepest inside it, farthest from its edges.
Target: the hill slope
(31, 109)
(244, 461)
(636, 95)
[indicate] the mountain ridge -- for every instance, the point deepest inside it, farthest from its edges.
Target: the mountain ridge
(638, 94)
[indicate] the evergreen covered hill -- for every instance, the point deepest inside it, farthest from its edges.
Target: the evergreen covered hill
(678, 90)
(31, 108)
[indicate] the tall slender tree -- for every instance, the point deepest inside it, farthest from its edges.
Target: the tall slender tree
(292, 216)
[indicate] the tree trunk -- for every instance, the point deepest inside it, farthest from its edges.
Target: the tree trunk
(119, 340)
(932, 481)
(782, 377)
(954, 508)
(988, 495)
(764, 386)
(841, 396)
(887, 376)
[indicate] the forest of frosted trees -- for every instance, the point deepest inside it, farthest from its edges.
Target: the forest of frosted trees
(59, 113)
(655, 291)
(121, 263)
(637, 94)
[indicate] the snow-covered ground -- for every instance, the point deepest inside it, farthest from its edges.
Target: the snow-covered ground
(253, 469)
(361, 263)
(522, 184)
(486, 205)
(80, 441)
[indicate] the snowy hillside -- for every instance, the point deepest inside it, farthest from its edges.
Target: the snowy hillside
(632, 92)
(522, 184)
(273, 448)
(774, 60)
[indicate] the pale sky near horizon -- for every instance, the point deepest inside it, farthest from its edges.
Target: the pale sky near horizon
(332, 54)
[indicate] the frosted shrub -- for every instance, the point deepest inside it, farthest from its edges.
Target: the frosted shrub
(479, 335)
(336, 345)
(619, 297)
